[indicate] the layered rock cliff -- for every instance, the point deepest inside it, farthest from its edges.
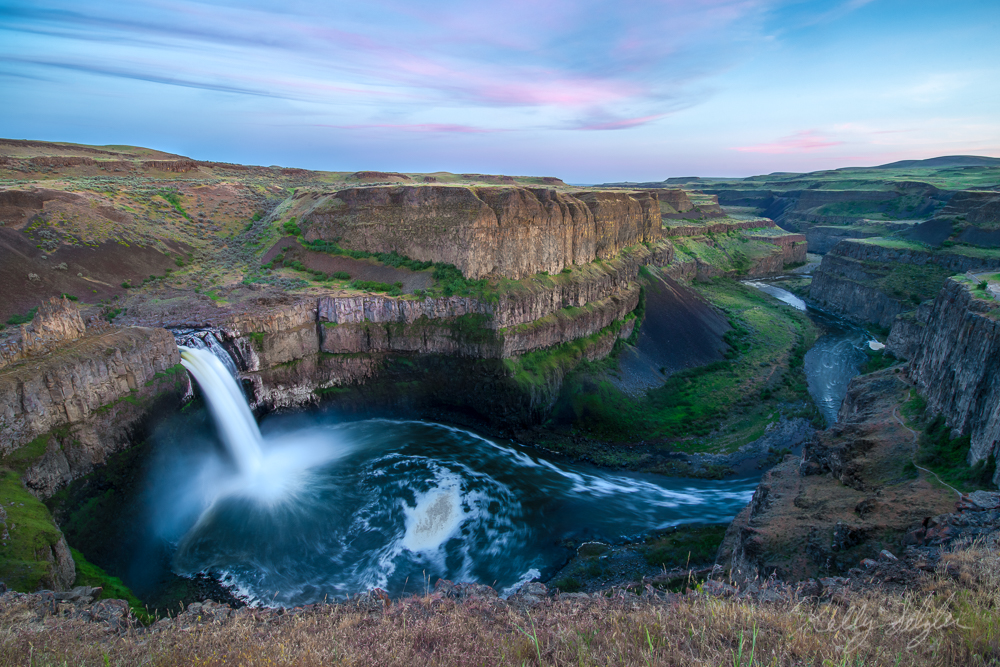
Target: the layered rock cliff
(65, 412)
(56, 322)
(874, 281)
(955, 361)
(506, 231)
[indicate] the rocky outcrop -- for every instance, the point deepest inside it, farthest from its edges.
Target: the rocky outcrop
(854, 299)
(65, 412)
(506, 231)
(847, 498)
(676, 198)
(55, 323)
(289, 352)
(955, 361)
(907, 333)
(793, 246)
(718, 227)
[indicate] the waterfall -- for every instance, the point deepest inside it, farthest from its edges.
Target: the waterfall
(228, 406)
(206, 339)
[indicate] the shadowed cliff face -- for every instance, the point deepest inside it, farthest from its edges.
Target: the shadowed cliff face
(509, 232)
(955, 347)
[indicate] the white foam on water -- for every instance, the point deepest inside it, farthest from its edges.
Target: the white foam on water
(436, 517)
(530, 575)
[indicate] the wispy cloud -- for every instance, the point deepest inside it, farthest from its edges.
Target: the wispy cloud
(623, 124)
(436, 128)
(808, 141)
(552, 62)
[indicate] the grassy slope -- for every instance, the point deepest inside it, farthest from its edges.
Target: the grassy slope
(714, 408)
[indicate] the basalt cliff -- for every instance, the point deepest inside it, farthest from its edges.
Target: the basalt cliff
(510, 232)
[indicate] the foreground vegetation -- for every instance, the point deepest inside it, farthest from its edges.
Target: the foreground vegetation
(950, 620)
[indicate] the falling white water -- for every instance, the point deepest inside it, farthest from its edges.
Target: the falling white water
(229, 408)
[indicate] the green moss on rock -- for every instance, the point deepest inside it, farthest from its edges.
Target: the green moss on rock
(28, 537)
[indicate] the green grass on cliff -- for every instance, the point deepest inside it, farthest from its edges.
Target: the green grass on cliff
(912, 283)
(714, 408)
(948, 458)
(731, 252)
(538, 367)
(27, 535)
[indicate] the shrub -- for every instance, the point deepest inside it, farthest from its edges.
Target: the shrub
(340, 275)
(22, 319)
(372, 286)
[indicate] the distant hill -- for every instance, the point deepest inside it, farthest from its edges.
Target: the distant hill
(944, 161)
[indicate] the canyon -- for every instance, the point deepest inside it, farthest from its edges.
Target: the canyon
(478, 299)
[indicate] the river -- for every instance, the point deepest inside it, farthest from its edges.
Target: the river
(834, 358)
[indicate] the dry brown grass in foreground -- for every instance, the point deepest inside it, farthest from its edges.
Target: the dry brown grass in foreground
(954, 621)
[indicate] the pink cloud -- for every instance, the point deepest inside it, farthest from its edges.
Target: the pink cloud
(808, 141)
(623, 124)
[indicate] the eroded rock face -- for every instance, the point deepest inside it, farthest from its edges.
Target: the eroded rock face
(56, 322)
(845, 281)
(511, 232)
(955, 361)
(78, 404)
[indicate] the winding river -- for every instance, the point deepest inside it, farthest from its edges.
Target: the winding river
(834, 358)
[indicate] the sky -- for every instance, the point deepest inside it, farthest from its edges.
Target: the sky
(590, 91)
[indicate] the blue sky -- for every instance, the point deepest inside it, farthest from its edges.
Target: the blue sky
(589, 91)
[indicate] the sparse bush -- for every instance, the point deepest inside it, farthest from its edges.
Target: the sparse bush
(15, 320)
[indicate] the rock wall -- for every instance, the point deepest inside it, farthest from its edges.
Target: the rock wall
(677, 199)
(846, 280)
(63, 413)
(853, 297)
(56, 322)
(506, 231)
(956, 365)
(907, 333)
